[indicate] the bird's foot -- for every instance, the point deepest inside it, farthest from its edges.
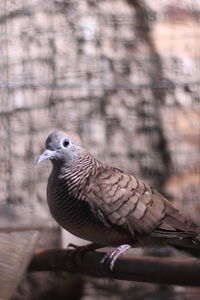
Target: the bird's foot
(79, 251)
(110, 257)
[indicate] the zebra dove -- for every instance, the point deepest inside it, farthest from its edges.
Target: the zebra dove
(107, 206)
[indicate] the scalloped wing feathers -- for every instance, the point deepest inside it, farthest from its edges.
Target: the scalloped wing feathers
(124, 200)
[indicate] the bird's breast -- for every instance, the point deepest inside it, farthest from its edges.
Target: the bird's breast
(65, 205)
(74, 214)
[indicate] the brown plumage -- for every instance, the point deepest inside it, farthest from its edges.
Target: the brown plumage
(106, 205)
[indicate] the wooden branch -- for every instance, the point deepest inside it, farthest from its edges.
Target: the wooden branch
(174, 271)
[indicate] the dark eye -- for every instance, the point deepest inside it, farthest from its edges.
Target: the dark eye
(66, 143)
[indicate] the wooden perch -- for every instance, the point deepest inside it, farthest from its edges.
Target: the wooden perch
(184, 271)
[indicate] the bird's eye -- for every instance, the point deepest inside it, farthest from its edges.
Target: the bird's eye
(66, 143)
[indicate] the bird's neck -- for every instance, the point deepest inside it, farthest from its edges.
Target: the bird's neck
(77, 172)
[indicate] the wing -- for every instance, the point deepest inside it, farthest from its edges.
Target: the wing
(122, 199)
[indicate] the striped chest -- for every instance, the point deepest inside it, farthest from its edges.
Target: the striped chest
(68, 206)
(66, 203)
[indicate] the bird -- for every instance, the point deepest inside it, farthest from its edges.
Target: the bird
(107, 206)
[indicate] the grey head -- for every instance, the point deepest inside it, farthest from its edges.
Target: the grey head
(62, 147)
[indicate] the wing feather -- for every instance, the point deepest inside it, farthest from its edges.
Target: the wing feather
(126, 201)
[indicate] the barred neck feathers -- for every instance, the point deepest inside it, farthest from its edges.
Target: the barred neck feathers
(75, 176)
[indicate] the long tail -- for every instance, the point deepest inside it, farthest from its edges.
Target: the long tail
(190, 245)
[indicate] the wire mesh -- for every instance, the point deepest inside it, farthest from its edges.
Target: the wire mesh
(123, 74)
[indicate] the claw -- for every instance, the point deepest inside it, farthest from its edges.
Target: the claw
(79, 251)
(111, 256)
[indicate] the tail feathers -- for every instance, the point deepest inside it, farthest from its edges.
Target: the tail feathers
(183, 239)
(190, 246)
(178, 224)
(178, 234)
(198, 235)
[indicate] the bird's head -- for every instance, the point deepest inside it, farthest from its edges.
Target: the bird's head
(61, 146)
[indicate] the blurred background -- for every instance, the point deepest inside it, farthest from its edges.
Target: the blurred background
(125, 75)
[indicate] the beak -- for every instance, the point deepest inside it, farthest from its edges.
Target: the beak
(47, 154)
